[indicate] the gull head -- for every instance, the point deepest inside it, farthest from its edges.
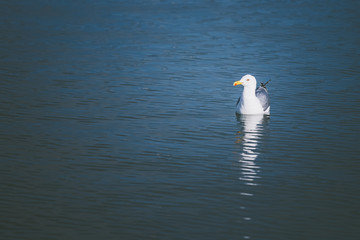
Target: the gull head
(247, 81)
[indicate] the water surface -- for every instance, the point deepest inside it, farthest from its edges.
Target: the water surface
(118, 120)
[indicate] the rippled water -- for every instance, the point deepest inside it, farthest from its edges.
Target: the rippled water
(118, 120)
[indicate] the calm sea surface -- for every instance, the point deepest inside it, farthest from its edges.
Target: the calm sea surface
(117, 120)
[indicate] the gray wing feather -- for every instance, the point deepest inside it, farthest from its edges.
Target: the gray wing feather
(262, 94)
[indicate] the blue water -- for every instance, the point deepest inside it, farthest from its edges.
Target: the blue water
(117, 120)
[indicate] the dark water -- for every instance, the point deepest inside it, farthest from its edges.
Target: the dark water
(117, 120)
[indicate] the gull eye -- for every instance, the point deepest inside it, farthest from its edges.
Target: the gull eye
(247, 79)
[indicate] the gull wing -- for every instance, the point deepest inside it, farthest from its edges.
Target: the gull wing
(263, 96)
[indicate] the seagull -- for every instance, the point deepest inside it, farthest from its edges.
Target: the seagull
(253, 100)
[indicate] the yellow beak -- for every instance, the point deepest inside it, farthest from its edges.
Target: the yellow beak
(237, 83)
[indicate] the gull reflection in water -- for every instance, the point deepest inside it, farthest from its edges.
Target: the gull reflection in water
(248, 138)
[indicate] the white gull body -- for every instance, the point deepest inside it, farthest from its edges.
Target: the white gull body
(253, 100)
